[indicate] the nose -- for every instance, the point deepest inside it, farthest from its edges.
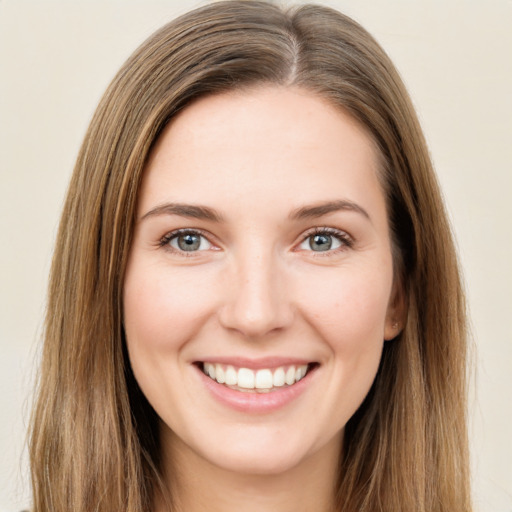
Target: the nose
(257, 301)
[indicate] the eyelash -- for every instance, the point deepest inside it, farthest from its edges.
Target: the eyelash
(166, 239)
(347, 242)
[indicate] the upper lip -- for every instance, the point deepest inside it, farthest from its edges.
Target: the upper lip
(256, 363)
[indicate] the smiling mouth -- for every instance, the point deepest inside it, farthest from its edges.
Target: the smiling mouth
(263, 380)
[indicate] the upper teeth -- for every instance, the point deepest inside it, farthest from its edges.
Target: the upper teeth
(255, 379)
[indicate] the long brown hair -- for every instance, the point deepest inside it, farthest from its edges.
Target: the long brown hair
(94, 443)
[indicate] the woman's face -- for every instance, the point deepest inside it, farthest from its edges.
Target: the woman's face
(261, 251)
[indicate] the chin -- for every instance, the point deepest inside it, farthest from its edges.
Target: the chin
(261, 463)
(265, 453)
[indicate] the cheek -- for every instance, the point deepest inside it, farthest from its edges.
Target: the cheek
(349, 312)
(162, 307)
(349, 307)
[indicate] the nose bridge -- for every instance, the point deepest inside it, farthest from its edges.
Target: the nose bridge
(257, 303)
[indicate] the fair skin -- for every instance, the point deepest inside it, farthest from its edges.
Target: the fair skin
(282, 265)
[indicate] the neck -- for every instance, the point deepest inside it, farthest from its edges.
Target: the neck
(198, 485)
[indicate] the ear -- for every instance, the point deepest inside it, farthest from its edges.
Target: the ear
(396, 313)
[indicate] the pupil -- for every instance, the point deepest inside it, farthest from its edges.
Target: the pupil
(321, 242)
(188, 242)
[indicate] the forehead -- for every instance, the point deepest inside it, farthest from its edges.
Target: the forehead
(269, 143)
(298, 115)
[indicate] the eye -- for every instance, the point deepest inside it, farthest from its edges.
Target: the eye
(325, 239)
(186, 241)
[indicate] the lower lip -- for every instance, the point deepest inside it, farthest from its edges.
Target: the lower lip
(254, 402)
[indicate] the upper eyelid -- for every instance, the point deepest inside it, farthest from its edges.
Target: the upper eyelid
(180, 231)
(328, 230)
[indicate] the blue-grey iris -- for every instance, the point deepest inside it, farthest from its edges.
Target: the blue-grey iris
(189, 242)
(320, 242)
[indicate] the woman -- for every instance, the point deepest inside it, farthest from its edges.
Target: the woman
(255, 299)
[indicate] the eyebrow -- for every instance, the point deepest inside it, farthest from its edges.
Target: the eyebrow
(318, 210)
(207, 213)
(184, 210)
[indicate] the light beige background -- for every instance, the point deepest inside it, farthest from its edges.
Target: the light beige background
(56, 58)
